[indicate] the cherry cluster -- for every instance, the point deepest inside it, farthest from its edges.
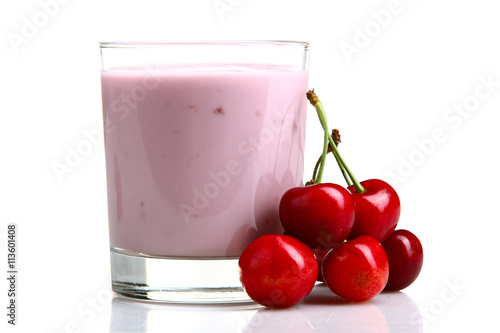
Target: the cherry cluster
(344, 237)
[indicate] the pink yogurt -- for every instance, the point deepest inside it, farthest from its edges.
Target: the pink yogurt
(197, 160)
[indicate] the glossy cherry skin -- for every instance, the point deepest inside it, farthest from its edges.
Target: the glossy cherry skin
(278, 270)
(406, 257)
(357, 270)
(377, 210)
(320, 215)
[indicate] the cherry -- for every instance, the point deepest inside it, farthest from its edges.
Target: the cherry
(377, 203)
(357, 270)
(377, 210)
(320, 215)
(320, 256)
(278, 270)
(405, 255)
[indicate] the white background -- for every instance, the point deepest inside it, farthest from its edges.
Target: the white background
(389, 96)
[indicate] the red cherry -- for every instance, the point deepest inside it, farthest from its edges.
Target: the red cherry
(320, 215)
(377, 210)
(406, 257)
(320, 256)
(357, 270)
(278, 270)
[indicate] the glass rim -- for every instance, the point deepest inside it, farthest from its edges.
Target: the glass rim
(225, 43)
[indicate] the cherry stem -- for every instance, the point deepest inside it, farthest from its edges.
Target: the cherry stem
(323, 159)
(315, 172)
(341, 167)
(314, 100)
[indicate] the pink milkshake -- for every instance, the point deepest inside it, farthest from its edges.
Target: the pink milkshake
(198, 158)
(201, 140)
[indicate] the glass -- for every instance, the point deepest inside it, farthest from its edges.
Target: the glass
(201, 141)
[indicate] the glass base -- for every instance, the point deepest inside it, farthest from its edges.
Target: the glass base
(177, 280)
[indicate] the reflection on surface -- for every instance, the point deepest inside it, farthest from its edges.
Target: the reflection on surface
(322, 311)
(140, 316)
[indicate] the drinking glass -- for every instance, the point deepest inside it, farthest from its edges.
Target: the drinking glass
(201, 141)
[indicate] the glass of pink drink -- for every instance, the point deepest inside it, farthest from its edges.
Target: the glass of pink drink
(201, 141)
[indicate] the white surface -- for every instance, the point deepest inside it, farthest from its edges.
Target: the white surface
(320, 312)
(394, 92)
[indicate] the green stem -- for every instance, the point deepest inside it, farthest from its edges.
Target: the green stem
(323, 158)
(324, 122)
(315, 172)
(341, 167)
